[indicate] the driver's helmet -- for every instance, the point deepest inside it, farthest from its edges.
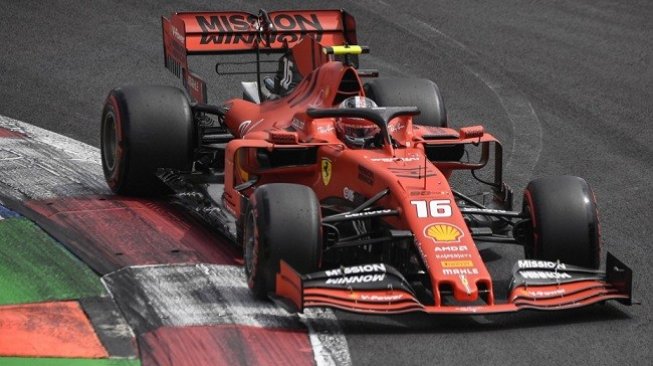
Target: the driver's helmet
(356, 132)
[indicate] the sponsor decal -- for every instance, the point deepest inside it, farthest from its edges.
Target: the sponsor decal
(352, 196)
(544, 275)
(460, 271)
(480, 211)
(383, 298)
(457, 264)
(193, 83)
(469, 309)
(297, 124)
(453, 256)
(451, 248)
(367, 213)
(551, 293)
(356, 279)
(432, 208)
(366, 268)
(465, 282)
(390, 160)
(325, 129)
(242, 128)
(348, 194)
(178, 51)
(365, 175)
(527, 263)
(327, 169)
(176, 34)
(421, 193)
(396, 127)
(414, 172)
(227, 23)
(442, 232)
(223, 29)
(247, 125)
(296, 22)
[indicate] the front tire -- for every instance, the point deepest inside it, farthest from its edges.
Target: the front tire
(145, 128)
(564, 221)
(282, 222)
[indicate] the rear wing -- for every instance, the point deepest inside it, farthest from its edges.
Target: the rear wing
(194, 33)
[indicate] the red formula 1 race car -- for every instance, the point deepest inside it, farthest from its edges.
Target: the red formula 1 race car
(339, 190)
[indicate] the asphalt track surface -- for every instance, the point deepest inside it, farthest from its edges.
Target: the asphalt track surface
(568, 87)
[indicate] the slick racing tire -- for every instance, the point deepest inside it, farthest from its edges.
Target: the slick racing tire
(404, 92)
(145, 128)
(282, 222)
(564, 221)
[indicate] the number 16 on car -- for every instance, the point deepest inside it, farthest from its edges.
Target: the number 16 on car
(432, 208)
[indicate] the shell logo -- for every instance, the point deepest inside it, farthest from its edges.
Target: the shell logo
(443, 232)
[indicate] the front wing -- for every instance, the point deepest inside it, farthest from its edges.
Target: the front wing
(380, 289)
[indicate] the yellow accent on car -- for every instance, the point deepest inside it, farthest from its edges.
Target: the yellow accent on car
(457, 264)
(443, 232)
(327, 169)
(244, 176)
(345, 50)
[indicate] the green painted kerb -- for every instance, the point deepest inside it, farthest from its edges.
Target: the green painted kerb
(20, 361)
(35, 268)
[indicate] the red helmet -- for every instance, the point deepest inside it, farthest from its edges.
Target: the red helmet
(356, 132)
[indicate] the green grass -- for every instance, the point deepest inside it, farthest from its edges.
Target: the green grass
(35, 268)
(25, 361)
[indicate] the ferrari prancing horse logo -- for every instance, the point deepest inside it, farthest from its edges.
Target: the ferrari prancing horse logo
(326, 171)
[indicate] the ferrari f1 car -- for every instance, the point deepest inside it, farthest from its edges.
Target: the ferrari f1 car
(337, 183)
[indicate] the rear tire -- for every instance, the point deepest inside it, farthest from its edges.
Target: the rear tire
(282, 222)
(564, 221)
(402, 92)
(145, 128)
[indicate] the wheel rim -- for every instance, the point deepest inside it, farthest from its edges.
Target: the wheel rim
(109, 141)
